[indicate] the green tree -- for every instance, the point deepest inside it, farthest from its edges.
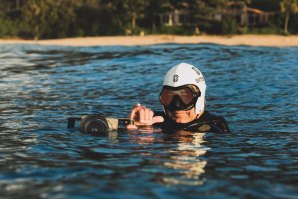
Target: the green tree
(288, 7)
(114, 15)
(33, 12)
(48, 18)
(134, 9)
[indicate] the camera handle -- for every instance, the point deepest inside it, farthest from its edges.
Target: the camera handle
(118, 123)
(71, 121)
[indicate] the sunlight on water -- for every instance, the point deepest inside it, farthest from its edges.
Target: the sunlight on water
(41, 86)
(186, 157)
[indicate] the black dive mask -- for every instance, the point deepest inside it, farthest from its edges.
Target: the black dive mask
(177, 104)
(178, 98)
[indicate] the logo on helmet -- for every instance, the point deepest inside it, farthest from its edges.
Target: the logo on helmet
(200, 79)
(175, 78)
(197, 71)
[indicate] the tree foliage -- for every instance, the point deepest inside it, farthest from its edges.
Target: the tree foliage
(288, 7)
(69, 18)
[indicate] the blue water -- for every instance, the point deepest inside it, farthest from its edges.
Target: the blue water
(254, 88)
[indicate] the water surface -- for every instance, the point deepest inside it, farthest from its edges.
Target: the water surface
(254, 88)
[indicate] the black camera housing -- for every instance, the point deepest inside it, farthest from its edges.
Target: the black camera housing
(98, 124)
(94, 124)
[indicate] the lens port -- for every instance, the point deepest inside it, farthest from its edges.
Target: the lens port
(94, 124)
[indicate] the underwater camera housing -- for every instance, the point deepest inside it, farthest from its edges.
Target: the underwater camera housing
(98, 124)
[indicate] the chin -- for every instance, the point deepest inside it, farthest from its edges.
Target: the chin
(180, 118)
(180, 121)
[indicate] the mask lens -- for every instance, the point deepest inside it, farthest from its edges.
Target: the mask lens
(185, 94)
(166, 97)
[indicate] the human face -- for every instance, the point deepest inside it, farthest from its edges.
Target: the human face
(180, 116)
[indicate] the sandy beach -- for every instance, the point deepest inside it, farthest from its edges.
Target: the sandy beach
(250, 40)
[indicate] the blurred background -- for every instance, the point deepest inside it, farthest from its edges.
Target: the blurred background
(43, 19)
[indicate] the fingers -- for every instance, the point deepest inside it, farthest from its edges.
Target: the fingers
(133, 115)
(145, 115)
(157, 119)
(141, 115)
(131, 127)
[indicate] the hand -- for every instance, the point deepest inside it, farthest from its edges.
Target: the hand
(141, 115)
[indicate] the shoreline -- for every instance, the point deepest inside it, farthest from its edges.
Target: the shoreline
(248, 40)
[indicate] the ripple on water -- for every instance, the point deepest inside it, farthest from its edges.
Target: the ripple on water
(253, 87)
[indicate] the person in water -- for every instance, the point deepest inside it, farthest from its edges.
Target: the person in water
(183, 100)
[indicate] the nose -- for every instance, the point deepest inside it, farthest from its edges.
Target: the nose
(176, 104)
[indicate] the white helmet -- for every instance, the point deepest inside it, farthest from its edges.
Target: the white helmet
(183, 74)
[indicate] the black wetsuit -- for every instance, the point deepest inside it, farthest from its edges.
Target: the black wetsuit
(206, 123)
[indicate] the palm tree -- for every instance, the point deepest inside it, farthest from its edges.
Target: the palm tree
(288, 7)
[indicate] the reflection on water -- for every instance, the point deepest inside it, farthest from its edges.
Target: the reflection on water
(187, 158)
(41, 86)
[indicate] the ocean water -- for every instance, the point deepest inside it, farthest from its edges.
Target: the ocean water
(254, 88)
